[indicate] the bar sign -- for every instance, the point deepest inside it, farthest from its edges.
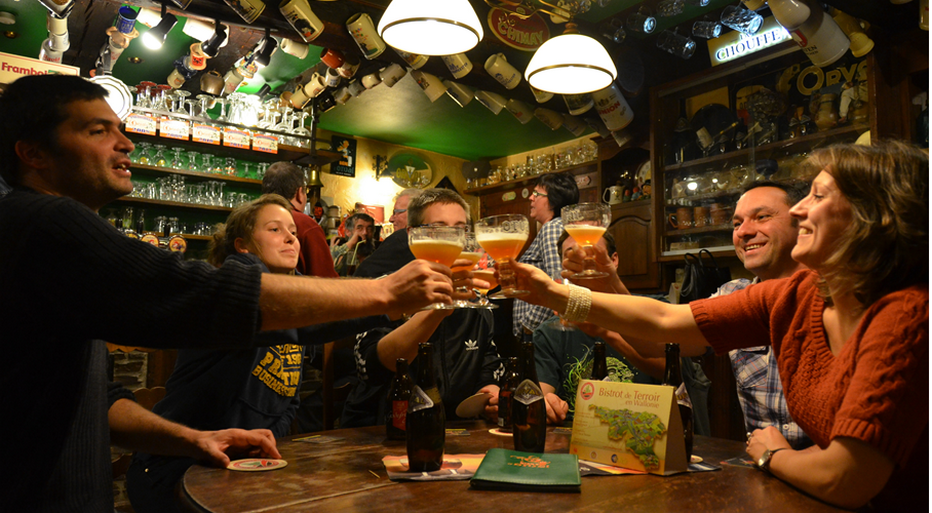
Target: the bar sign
(205, 134)
(235, 138)
(265, 143)
(141, 124)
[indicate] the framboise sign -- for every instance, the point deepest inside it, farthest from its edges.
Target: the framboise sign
(523, 34)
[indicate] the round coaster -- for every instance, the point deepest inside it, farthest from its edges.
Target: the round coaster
(695, 459)
(256, 465)
(499, 432)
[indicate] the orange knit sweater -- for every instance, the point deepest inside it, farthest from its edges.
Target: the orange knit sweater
(875, 390)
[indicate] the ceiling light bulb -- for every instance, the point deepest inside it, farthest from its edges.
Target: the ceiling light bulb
(431, 27)
(571, 64)
(155, 37)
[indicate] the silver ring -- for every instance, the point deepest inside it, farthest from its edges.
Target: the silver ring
(750, 436)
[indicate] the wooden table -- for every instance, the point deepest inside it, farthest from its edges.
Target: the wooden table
(349, 476)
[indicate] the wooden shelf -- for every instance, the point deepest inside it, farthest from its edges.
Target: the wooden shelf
(703, 229)
(285, 152)
(844, 132)
(189, 206)
(197, 174)
(520, 182)
(717, 252)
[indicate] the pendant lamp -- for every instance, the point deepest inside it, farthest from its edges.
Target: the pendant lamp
(431, 27)
(571, 63)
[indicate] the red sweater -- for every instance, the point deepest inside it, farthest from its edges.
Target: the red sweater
(314, 258)
(875, 390)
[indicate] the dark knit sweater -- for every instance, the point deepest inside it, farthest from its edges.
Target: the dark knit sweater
(70, 278)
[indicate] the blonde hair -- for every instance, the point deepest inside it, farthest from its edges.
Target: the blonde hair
(886, 246)
(240, 225)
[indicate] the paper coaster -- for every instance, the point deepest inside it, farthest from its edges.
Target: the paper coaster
(695, 459)
(499, 432)
(256, 465)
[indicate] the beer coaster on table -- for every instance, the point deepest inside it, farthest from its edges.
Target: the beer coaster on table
(695, 459)
(456, 432)
(499, 432)
(473, 405)
(256, 464)
(563, 431)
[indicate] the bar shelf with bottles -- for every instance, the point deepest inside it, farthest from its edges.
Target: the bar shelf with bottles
(719, 131)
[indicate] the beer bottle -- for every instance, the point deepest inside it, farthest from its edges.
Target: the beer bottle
(424, 424)
(398, 395)
(673, 376)
(599, 367)
(510, 381)
(528, 409)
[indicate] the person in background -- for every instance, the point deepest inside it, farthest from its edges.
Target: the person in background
(247, 388)
(850, 333)
(563, 357)
(466, 358)
(551, 193)
(287, 180)
(393, 252)
(362, 228)
(399, 217)
(764, 237)
(79, 281)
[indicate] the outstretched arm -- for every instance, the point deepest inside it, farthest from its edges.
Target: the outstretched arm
(289, 302)
(646, 323)
(134, 427)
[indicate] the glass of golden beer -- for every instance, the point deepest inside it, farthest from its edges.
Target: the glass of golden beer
(471, 254)
(441, 244)
(503, 237)
(586, 222)
(484, 270)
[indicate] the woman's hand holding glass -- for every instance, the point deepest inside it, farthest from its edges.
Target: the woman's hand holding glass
(586, 222)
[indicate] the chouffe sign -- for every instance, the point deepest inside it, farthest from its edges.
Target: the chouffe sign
(520, 33)
(734, 45)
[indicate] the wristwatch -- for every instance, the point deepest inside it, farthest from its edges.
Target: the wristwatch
(764, 462)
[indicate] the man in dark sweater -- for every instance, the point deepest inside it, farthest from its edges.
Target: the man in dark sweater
(71, 280)
(466, 360)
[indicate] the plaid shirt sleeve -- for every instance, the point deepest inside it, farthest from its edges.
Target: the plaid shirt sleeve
(760, 390)
(545, 255)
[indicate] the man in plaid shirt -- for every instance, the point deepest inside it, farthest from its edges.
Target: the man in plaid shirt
(764, 236)
(551, 193)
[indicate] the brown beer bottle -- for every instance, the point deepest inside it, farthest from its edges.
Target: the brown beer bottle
(528, 409)
(673, 376)
(398, 395)
(599, 366)
(510, 381)
(424, 424)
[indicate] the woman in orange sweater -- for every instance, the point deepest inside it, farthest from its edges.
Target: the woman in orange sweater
(851, 335)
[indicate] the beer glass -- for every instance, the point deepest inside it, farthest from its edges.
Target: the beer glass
(746, 21)
(586, 222)
(502, 237)
(440, 244)
(471, 253)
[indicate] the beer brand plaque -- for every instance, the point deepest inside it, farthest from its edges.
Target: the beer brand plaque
(522, 34)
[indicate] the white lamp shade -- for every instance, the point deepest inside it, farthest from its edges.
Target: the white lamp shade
(571, 64)
(431, 27)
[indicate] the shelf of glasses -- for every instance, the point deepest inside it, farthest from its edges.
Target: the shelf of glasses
(164, 203)
(513, 184)
(806, 141)
(196, 174)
